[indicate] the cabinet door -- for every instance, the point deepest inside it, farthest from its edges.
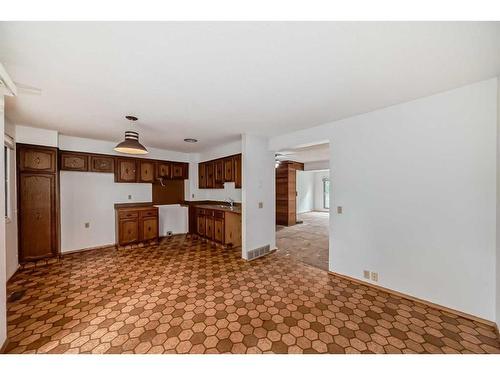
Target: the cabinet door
(126, 170)
(163, 169)
(209, 227)
(34, 159)
(72, 161)
(149, 229)
(228, 170)
(210, 174)
(103, 164)
(146, 171)
(237, 171)
(202, 176)
(177, 171)
(200, 225)
(128, 231)
(37, 216)
(219, 230)
(219, 173)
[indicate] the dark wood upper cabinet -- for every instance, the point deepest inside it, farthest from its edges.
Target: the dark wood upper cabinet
(202, 175)
(73, 161)
(219, 173)
(146, 171)
(237, 170)
(213, 174)
(179, 170)
(126, 170)
(101, 163)
(163, 169)
(228, 169)
(37, 159)
(210, 174)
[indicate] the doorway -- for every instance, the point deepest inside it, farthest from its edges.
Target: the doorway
(304, 235)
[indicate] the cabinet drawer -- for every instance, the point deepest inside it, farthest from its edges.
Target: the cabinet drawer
(72, 161)
(149, 213)
(128, 214)
(103, 164)
(219, 214)
(200, 212)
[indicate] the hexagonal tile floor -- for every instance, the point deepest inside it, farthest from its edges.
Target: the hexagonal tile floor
(184, 296)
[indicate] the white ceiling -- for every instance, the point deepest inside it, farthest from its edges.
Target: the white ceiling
(320, 152)
(216, 80)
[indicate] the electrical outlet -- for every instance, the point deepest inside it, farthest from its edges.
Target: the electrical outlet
(366, 274)
(261, 204)
(374, 276)
(87, 225)
(192, 195)
(339, 209)
(129, 196)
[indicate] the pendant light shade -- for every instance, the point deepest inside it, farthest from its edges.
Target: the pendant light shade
(131, 144)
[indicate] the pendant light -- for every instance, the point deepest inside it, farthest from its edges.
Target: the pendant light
(131, 143)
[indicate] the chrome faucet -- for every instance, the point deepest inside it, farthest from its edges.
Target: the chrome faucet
(230, 201)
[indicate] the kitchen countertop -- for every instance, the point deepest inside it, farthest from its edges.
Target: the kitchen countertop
(131, 205)
(236, 209)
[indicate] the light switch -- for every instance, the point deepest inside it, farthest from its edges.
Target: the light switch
(261, 204)
(87, 225)
(339, 209)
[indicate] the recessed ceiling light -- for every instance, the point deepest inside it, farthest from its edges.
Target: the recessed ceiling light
(190, 140)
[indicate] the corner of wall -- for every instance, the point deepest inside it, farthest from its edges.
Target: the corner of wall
(497, 268)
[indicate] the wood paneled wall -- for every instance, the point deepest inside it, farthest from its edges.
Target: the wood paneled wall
(286, 192)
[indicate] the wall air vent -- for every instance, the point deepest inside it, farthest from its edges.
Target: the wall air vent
(259, 252)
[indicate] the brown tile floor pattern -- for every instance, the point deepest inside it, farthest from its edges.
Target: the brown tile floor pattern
(306, 242)
(184, 296)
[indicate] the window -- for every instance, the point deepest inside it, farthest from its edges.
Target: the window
(326, 193)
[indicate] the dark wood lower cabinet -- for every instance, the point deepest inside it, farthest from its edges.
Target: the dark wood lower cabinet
(219, 226)
(38, 205)
(128, 231)
(219, 230)
(136, 224)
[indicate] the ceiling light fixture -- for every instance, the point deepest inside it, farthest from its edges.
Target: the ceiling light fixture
(277, 161)
(190, 140)
(131, 143)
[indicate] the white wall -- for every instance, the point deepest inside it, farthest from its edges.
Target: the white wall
(316, 165)
(3, 273)
(229, 190)
(305, 191)
(318, 190)
(310, 190)
(36, 136)
(417, 182)
(88, 197)
(12, 262)
(258, 224)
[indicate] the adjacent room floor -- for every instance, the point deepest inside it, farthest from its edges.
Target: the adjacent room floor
(306, 242)
(184, 296)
